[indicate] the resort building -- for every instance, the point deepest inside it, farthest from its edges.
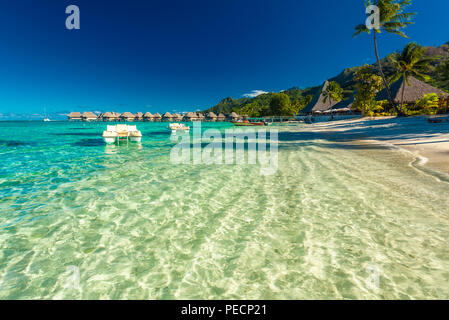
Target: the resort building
(74, 116)
(111, 116)
(157, 117)
(211, 117)
(234, 116)
(148, 116)
(127, 116)
(89, 116)
(200, 116)
(191, 116)
(138, 116)
(177, 117)
(167, 117)
(412, 93)
(317, 105)
(221, 117)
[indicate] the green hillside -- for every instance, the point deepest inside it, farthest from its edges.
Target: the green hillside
(299, 98)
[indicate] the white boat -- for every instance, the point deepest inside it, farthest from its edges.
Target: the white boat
(121, 132)
(175, 127)
(46, 120)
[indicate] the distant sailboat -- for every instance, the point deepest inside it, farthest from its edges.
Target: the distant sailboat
(46, 119)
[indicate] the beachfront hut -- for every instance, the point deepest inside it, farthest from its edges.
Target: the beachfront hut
(234, 116)
(191, 116)
(167, 116)
(157, 117)
(127, 116)
(200, 116)
(138, 116)
(344, 106)
(221, 117)
(211, 117)
(177, 117)
(74, 116)
(412, 93)
(89, 116)
(317, 103)
(148, 116)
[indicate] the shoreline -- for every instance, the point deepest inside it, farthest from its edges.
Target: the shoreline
(429, 142)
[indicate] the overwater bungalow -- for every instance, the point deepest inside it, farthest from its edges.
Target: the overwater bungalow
(200, 116)
(317, 103)
(74, 116)
(412, 93)
(138, 116)
(167, 117)
(177, 117)
(191, 116)
(211, 117)
(89, 116)
(221, 117)
(111, 116)
(157, 117)
(234, 116)
(127, 116)
(148, 116)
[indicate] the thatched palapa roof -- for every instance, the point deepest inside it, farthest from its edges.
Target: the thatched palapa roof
(317, 103)
(89, 115)
(191, 115)
(157, 116)
(74, 115)
(412, 93)
(221, 116)
(167, 115)
(148, 115)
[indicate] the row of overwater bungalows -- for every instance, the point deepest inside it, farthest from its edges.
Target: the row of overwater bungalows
(139, 116)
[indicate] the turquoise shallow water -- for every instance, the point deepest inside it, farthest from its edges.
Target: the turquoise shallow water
(135, 226)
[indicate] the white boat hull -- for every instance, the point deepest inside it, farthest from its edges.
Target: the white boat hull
(109, 140)
(135, 139)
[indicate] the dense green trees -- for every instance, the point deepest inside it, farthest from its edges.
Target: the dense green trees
(410, 62)
(280, 105)
(333, 92)
(392, 19)
(367, 86)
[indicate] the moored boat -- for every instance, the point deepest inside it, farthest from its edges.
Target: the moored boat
(175, 127)
(119, 132)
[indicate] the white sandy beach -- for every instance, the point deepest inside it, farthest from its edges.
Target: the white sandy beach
(415, 134)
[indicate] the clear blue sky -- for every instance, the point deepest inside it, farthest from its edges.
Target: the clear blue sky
(183, 55)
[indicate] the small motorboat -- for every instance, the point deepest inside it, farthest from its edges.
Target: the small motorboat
(121, 132)
(175, 127)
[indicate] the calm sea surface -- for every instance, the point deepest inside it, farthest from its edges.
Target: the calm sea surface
(82, 220)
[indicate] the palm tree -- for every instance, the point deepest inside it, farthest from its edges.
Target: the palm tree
(392, 19)
(333, 92)
(410, 62)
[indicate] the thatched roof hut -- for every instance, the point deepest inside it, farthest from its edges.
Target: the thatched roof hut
(148, 116)
(177, 117)
(157, 117)
(234, 116)
(344, 104)
(211, 116)
(167, 116)
(191, 116)
(74, 116)
(138, 116)
(221, 117)
(89, 116)
(412, 93)
(127, 116)
(111, 116)
(317, 103)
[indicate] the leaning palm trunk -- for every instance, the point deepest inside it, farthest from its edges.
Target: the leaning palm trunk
(387, 86)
